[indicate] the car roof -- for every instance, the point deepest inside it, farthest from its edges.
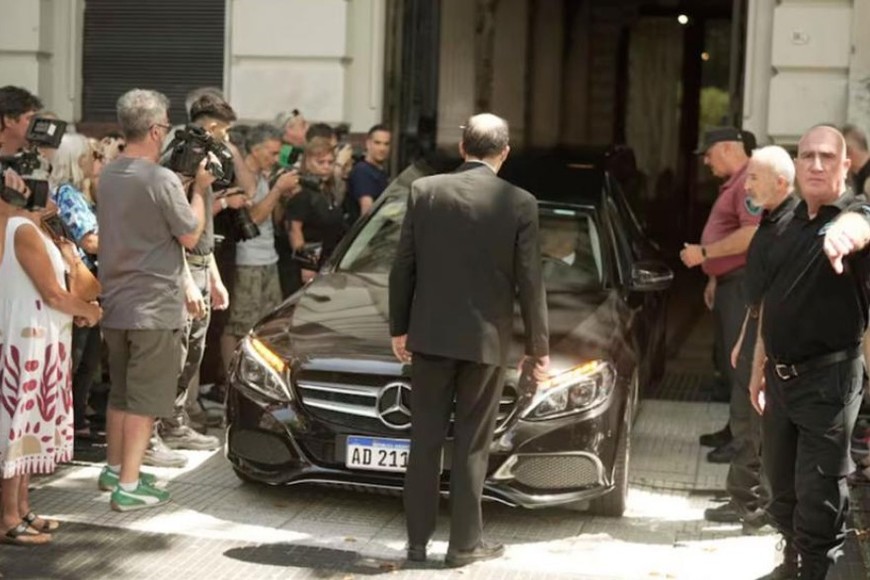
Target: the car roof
(560, 176)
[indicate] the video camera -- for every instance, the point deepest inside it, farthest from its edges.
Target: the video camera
(190, 146)
(30, 165)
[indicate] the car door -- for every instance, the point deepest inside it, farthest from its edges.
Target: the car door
(633, 247)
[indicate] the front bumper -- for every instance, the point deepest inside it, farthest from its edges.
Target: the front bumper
(532, 464)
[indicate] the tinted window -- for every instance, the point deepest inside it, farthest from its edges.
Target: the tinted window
(570, 245)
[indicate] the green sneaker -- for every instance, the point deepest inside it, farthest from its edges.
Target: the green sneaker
(108, 479)
(144, 496)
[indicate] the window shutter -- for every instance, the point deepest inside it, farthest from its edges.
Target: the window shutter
(171, 46)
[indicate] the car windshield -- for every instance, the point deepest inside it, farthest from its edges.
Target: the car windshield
(570, 245)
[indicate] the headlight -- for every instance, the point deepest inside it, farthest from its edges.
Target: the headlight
(572, 391)
(263, 370)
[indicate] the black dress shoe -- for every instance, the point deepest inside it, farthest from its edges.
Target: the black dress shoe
(723, 454)
(717, 439)
(727, 513)
(416, 553)
(483, 551)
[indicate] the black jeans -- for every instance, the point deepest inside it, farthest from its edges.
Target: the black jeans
(477, 389)
(86, 354)
(807, 426)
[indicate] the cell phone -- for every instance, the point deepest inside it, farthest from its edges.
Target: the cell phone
(56, 226)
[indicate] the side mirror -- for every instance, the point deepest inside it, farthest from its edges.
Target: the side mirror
(650, 276)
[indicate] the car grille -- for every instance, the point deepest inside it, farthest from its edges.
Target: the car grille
(556, 471)
(352, 400)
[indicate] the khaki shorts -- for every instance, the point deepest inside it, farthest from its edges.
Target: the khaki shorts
(144, 366)
(256, 292)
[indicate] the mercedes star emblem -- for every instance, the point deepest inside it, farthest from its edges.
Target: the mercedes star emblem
(394, 402)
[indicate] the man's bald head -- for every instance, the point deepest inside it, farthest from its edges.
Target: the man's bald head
(485, 136)
(824, 132)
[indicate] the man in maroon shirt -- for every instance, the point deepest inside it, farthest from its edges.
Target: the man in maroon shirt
(722, 256)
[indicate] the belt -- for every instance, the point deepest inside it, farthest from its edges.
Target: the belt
(198, 260)
(787, 371)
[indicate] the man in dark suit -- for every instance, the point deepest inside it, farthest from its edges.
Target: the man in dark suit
(469, 246)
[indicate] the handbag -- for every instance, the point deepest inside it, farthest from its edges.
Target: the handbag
(81, 282)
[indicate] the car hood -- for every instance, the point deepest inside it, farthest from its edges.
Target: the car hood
(346, 316)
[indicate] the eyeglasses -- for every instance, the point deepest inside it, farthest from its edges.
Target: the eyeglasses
(163, 126)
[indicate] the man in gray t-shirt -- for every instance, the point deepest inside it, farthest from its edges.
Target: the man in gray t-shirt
(145, 220)
(143, 213)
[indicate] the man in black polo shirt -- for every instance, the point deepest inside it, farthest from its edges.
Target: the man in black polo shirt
(807, 369)
(770, 187)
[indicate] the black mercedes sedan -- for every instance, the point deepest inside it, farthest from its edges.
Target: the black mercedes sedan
(316, 394)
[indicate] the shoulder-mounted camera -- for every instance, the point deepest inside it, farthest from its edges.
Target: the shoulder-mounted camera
(30, 165)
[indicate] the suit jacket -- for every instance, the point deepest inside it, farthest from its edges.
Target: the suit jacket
(468, 248)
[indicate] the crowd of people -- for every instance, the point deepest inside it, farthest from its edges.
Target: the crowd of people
(175, 246)
(170, 245)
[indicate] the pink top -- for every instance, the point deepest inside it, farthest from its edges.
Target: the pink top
(728, 215)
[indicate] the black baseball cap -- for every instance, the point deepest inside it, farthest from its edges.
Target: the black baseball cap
(717, 135)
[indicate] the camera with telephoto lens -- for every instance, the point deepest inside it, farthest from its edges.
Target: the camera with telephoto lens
(30, 165)
(190, 146)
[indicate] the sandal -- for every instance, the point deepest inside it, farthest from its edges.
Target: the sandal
(47, 526)
(21, 535)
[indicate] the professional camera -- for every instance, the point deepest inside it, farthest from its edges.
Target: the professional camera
(308, 181)
(30, 165)
(190, 146)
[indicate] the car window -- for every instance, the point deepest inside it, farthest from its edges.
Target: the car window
(570, 249)
(374, 247)
(569, 238)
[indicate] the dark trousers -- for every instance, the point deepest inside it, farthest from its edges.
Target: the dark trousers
(289, 273)
(745, 483)
(729, 308)
(807, 425)
(86, 354)
(192, 350)
(477, 389)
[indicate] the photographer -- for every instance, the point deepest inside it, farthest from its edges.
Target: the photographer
(145, 219)
(314, 219)
(211, 118)
(17, 107)
(257, 287)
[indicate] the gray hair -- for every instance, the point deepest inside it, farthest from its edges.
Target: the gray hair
(65, 164)
(778, 159)
(139, 110)
(259, 134)
(485, 135)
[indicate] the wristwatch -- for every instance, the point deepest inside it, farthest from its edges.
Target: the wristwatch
(703, 252)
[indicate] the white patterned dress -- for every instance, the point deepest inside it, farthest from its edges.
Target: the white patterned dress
(36, 423)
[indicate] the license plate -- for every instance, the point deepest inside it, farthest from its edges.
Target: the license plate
(377, 454)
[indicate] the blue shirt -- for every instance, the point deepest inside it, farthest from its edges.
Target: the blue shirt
(366, 179)
(78, 215)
